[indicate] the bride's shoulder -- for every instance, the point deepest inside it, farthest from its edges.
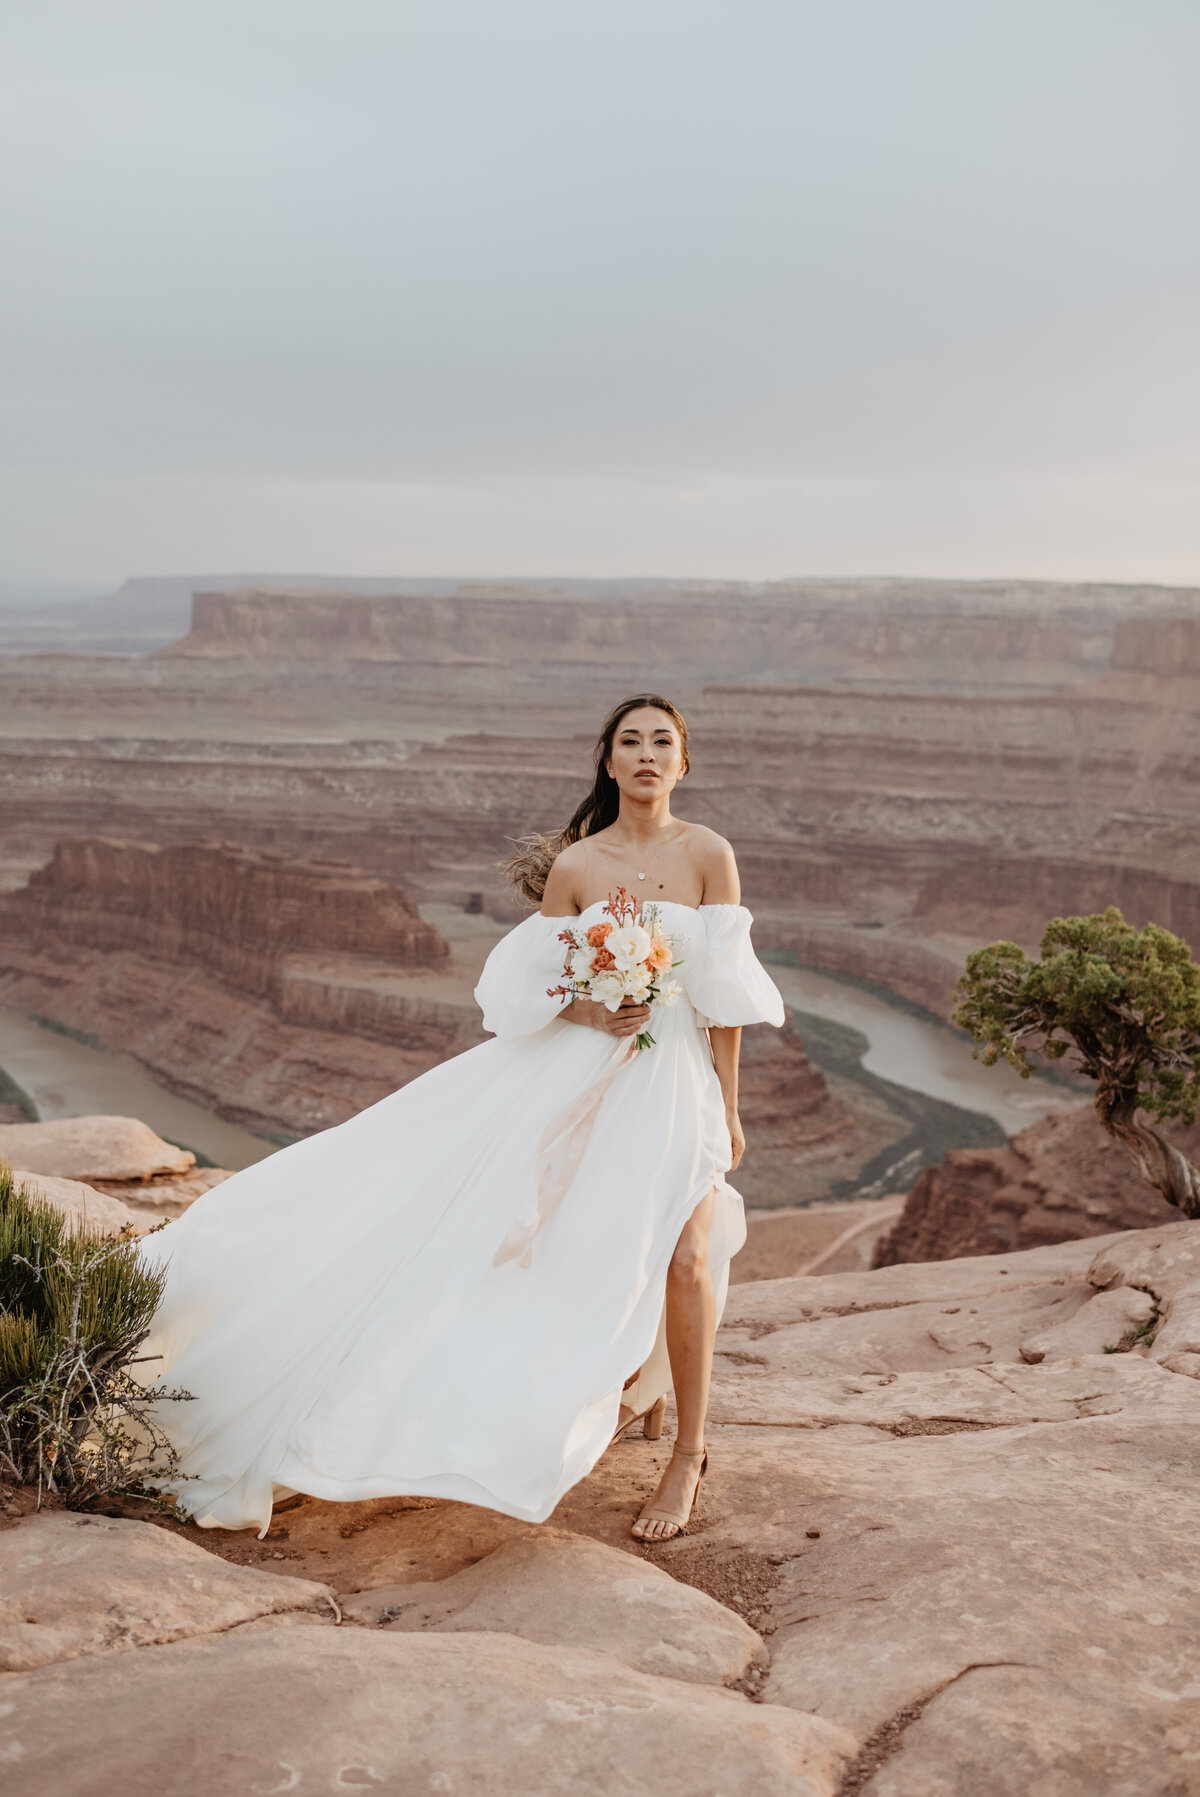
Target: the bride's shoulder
(706, 841)
(571, 858)
(716, 863)
(558, 898)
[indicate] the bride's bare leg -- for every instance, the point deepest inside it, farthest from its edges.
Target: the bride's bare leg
(691, 1326)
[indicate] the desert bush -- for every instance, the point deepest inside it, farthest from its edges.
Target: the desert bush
(75, 1307)
(1125, 1004)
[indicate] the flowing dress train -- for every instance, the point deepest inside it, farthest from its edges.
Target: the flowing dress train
(445, 1295)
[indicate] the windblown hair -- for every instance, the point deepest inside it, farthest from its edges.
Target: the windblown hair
(529, 867)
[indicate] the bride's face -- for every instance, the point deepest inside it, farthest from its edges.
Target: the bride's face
(647, 756)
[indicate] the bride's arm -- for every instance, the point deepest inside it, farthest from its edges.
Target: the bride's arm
(726, 1050)
(723, 886)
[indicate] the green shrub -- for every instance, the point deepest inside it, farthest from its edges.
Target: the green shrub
(1125, 1004)
(75, 1307)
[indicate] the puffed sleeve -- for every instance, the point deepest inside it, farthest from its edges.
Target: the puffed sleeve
(725, 980)
(512, 989)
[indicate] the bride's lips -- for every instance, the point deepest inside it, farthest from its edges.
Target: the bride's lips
(645, 774)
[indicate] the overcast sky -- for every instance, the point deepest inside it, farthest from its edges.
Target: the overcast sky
(761, 288)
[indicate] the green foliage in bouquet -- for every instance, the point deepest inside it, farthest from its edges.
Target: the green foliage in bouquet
(1125, 1004)
(75, 1307)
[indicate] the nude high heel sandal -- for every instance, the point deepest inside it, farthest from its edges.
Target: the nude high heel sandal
(652, 1425)
(651, 1421)
(678, 1520)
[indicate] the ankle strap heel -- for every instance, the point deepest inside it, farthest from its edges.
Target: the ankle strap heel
(676, 1520)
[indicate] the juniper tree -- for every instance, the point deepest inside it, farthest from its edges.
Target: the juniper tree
(1125, 1004)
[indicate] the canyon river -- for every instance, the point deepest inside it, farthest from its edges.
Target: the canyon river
(65, 1077)
(921, 1053)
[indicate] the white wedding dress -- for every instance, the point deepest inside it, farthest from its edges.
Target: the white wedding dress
(445, 1295)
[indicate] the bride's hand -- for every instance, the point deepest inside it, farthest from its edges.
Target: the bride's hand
(627, 1021)
(736, 1137)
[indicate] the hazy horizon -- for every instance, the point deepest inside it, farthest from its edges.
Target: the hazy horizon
(786, 291)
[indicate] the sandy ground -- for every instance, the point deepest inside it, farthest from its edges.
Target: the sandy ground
(818, 1238)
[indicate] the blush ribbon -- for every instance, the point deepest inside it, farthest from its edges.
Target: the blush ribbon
(557, 1157)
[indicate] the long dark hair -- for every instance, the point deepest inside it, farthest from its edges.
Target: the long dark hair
(529, 867)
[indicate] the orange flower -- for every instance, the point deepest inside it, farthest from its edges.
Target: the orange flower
(602, 960)
(660, 956)
(598, 934)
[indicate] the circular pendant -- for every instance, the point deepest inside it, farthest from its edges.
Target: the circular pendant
(641, 876)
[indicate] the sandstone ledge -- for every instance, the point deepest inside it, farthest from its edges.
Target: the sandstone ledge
(82, 1205)
(965, 1569)
(90, 1148)
(313, 1711)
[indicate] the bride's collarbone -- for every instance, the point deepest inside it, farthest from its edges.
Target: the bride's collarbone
(655, 870)
(663, 878)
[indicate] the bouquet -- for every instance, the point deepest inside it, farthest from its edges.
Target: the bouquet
(625, 955)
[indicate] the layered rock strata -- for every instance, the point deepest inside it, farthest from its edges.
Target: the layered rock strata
(215, 905)
(881, 829)
(286, 994)
(235, 1054)
(1167, 647)
(237, 995)
(934, 632)
(793, 1122)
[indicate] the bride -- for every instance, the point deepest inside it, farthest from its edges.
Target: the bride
(468, 1289)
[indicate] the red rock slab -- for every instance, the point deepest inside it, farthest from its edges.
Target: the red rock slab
(552, 1586)
(90, 1148)
(475, 1715)
(74, 1586)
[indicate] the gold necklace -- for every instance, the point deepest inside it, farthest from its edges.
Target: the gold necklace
(650, 860)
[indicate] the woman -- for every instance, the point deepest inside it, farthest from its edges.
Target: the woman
(464, 1291)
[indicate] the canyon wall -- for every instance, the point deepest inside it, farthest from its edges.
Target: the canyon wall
(800, 1135)
(232, 1052)
(905, 769)
(284, 994)
(879, 831)
(997, 898)
(219, 906)
(936, 633)
(1168, 647)
(979, 632)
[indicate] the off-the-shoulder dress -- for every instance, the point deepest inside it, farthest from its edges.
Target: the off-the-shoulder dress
(344, 1312)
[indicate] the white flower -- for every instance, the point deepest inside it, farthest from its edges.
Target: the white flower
(628, 945)
(608, 989)
(668, 994)
(579, 963)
